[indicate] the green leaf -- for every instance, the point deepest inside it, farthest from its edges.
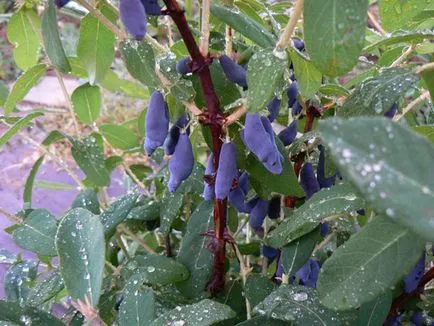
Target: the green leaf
(401, 37)
(327, 202)
(428, 77)
(335, 33)
(194, 253)
(140, 61)
(19, 279)
(334, 90)
(308, 77)
(257, 288)
(297, 253)
(137, 307)
(427, 131)
(375, 95)
(194, 315)
(28, 187)
(86, 101)
(53, 137)
(120, 136)
(23, 85)
(264, 182)
(183, 90)
(265, 79)
(169, 211)
(87, 199)
(296, 304)
(24, 37)
(81, 248)
(117, 212)
(95, 48)
(89, 157)
(244, 25)
(21, 123)
(37, 233)
(382, 167)
(370, 263)
(145, 210)
(52, 44)
(375, 312)
(12, 312)
(4, 92)
(156, 270)
(46, 290)
(263, 321)
(396, 14)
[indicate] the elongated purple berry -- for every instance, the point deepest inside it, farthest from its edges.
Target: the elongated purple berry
(208, 189)
(133, 17)
(233, 71)
(288, 135)
(279, 272)
(417, 318)
(274, 208)
(412, 279)
(237, 196)
(157, 122)
(308, 274)
(152, 8)
(180, 163)
(173, 135)
(292, 92)
(183, 66)
(270, 253)
(274, 108)
(392, 111)
(324, 229)
(61, 3)
(227, 171)
(296, 108)
(320, 172)
(243, 182)
(298, 44)
(258, 136)
(308, 181)
(258, 212)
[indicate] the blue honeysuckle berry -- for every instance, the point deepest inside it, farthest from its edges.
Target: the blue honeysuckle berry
(258, 213)
(391, 112)
(279, 271)
(270, 253)
(308, 274)
(233, 71)
(417, 318)
(395, 321)
(296, 108)
(298, 44)
(361, 211)
(227, 170)
(173, 135)
(274, 208)
(237, 196)
(320, 171)
(209, 189)
(243, 182)
(324, 229)
(412, 279)
(308, 180)
(181, 162)
(274, 108)
(292, 92)
(288, 135)
(152, 8)
(61, 3)
(258, 137)
(183, 66)
(157, 122)
(133, 17)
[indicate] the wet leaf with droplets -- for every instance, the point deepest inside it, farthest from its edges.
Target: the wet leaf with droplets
(308, 77)
(368, 264)
(117, 212)
(375, 312)
(202, 313)
(81, 248)
(169, 211)
(396, 14)
(12, 312)
(378, 157)
(327, 202)
(46, 290)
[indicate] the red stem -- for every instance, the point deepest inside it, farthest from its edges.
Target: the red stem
(404, 297)
(213, 118)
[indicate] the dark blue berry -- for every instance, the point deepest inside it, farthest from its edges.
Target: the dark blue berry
(258, 212)
(412, 279)
(233, 71)
(61, 3)
(391, 112)
(270, 253)
(209, 192)
(133, 17)
(183, 66)
(227, 170)
(324, 229)
(308, 181)
(292, 92)
(157, 122)
(288, 135)
(417, 318)
(298, 44)
(320, 172)
(274, 208)
(173, 135)
(296, 108)
(237, 196)
(308, 274)
(152, 8)
(274, 108)
(181, 162)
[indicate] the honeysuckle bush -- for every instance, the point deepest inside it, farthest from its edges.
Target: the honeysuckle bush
(281, 173)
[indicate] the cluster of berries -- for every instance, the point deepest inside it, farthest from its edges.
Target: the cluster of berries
(133, 15)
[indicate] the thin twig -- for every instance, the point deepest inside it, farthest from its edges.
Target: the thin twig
(204, 37)
(425, 67)
(169, 31)
(285, 38)
(411, 105)
(129, 172)
(122, 228)
(11, 217)
(244, 272)
(403, 56)
(323, 243)
(68, 101)
(228, 40)
(192, 108)
(237, 114)
(375, 23)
